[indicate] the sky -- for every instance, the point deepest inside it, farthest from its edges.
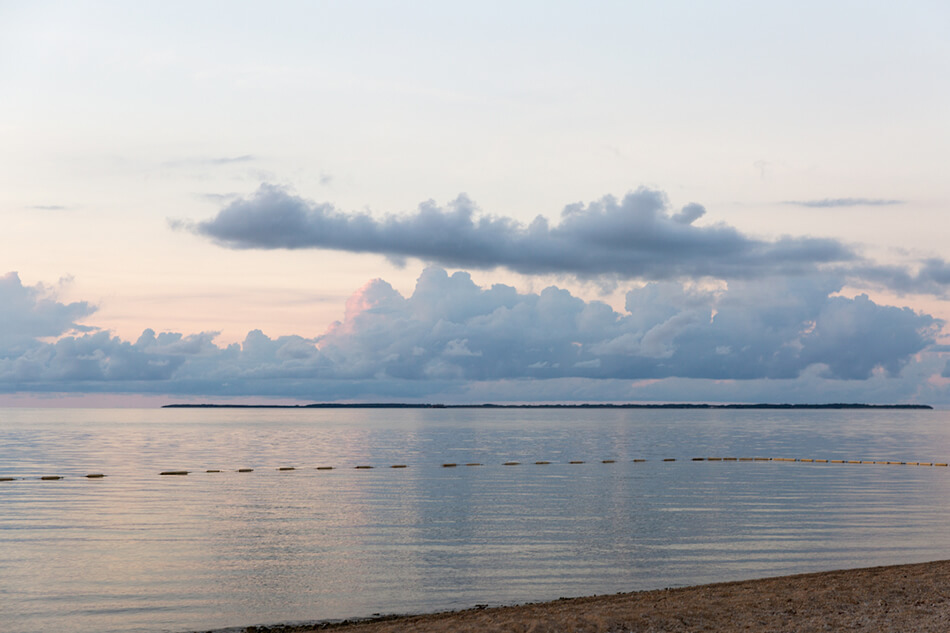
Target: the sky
(358, 201)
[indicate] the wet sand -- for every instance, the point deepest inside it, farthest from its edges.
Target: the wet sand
(901, 598)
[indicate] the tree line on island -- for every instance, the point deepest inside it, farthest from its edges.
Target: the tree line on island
(670, 405)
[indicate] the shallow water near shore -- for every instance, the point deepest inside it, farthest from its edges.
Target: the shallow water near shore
(139, 551)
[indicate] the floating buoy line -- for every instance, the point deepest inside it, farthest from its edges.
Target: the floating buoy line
(448, 465)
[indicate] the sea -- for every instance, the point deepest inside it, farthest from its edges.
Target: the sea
(314, 515)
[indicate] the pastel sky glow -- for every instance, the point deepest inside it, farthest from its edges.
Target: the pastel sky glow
(545, 201)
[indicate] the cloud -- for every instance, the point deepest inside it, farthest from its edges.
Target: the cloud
(689, 214)
(844, 202)
(30, 313)
(246, 158)
(636, 237)
(632, 237)
(451, 335)
(931, 276)
(209, 161)
(218, 198)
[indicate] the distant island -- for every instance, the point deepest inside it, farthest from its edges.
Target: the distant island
(671, 405)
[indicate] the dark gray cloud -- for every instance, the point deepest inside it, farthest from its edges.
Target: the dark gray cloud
(633, 237)
(451, 333)
(689, 214)
(844, 202)
(931, 276)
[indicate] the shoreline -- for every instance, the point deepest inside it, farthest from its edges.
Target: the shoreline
(909, 597)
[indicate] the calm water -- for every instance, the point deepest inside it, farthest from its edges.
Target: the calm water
(137, 551)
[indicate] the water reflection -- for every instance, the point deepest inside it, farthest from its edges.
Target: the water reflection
(136, 551)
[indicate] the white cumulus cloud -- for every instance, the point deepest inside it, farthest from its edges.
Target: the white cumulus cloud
(451, 334)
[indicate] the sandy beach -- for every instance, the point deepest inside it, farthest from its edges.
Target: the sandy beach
(898, 598)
